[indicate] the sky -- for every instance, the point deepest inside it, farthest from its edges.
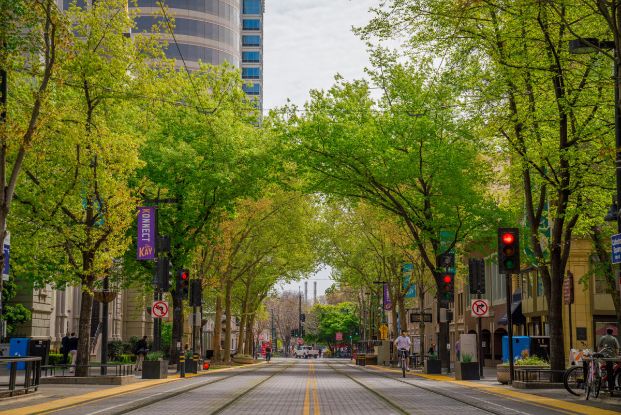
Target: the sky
(306, 43)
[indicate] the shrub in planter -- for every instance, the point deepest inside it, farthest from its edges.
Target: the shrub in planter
(502, 370)
(154, 366)
(466, 369)
(243, 359)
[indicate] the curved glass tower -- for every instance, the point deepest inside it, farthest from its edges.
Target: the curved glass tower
(206, 30)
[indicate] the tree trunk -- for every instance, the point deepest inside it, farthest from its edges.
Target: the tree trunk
(226, 355)
(250, 334)
(244, 318)
(217, 330)
(84, 331)
(402, 313)
(394, 329)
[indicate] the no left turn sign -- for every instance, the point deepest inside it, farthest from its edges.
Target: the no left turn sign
(479, 308)
(159, 309)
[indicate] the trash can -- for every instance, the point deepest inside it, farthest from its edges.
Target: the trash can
(18, 347)
(40, 348)
(361, 359)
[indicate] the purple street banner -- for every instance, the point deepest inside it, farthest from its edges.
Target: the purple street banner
(387, 302)
(146, 233)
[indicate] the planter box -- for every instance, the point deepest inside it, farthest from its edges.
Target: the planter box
(155, 369)
(191, 366)
(433, 366)
(467, 371)
(502, 372)
(244, 360)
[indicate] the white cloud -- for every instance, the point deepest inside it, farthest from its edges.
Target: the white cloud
(307, 42)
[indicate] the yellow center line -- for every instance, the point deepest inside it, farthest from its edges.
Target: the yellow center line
(537, 400)
(306, 409)
(315, 397)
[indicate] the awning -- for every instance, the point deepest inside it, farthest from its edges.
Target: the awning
(516, 311)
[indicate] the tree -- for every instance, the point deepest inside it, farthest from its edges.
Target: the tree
(32, 32)
(409, 153)
(535, 97)
(77, 193)
(343, 318)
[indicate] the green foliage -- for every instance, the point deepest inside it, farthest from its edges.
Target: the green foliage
(466, 358)
(343, 317)
(14, 314)
(152, 356)
(124, 358)
(55, 359)
(529, 361)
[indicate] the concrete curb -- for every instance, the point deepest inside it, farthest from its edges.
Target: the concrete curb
(67, 402)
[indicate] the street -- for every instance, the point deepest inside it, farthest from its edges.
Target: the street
(322, 386)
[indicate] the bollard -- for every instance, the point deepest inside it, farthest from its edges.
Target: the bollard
(196, 358)
(182, 363)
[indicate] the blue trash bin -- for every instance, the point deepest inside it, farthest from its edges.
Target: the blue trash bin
(520, 343)
(18, 347)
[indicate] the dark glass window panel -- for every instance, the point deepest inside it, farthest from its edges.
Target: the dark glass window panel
(251, 73)
(200, 53)
(79, 3)
(252, 89)
(252, 7)
(251, 24)
(251, 40)
(191, 27)
(215, 7)
(252, 56)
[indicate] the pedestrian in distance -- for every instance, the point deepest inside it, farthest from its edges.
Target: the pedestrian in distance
(73, 350)
(140, 350)
(432, 349)
(268, 353)
(64, 348)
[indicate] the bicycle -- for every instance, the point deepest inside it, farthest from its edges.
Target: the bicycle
(403, 360)
(593, 381)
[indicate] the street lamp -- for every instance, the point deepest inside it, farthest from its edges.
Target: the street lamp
(592, 45)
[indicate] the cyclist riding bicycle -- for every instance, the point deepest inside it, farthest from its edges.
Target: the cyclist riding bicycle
(403, 344)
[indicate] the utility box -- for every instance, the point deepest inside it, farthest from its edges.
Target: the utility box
(18, 347)
(520, 343)
(382, 351)
(40, 348)
(540, 347)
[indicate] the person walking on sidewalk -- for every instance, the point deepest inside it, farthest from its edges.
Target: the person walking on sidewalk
(268, 353)
(140, 350)
(73, 350)
(403, 344)
(64, 348)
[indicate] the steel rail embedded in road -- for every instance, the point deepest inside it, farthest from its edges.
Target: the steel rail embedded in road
(479, 407)
(136, 404)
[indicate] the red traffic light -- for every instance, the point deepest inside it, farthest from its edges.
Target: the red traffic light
(447, 279)
(184, 276)
(507, 238)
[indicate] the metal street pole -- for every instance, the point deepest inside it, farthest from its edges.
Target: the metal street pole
(3, 99)
(104, 327)
(510, 326)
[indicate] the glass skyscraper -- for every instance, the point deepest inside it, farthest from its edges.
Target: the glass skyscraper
(210, 31)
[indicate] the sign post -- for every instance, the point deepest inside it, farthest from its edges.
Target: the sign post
(568, 298)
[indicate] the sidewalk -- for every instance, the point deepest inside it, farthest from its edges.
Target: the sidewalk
(57, 396)
(556, 398)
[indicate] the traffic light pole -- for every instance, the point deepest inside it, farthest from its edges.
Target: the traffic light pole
(510, 326)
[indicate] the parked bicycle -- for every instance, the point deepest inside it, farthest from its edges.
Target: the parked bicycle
(587, 378)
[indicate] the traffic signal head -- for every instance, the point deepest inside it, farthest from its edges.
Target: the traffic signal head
(508, 251)
(447, 286)
(183, 283)
(196, 293)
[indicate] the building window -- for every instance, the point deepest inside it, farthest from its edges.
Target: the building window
(539, 285)
(252, 89)
(251, 73)
(251, 24)
(599, 275)
(252, 56)
(251, 40)
(252, 7)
